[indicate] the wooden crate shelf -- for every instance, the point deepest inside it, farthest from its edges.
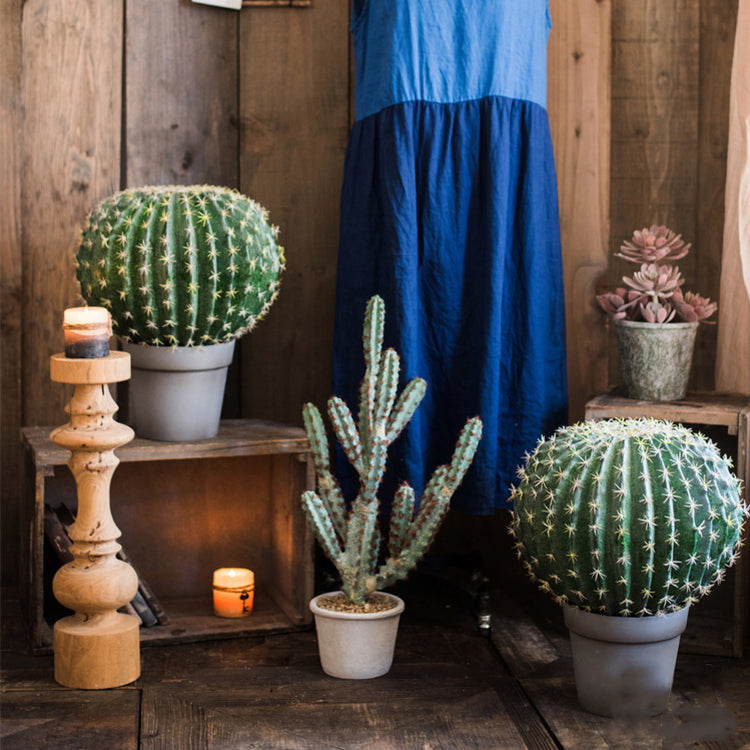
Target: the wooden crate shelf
(718, 624)
(185, 509)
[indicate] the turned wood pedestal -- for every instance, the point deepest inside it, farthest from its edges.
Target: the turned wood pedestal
(97, 647)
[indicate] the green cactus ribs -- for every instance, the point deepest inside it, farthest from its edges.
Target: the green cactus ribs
(180, 265)
(350, 537)
(627, 517)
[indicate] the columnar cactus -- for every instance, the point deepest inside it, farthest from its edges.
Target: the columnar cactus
(627, 517)
(180, 265)
(350, 537)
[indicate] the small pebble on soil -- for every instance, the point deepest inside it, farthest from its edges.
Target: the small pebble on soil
(375, 603)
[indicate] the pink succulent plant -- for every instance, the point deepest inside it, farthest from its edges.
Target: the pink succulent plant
(653, 293)
(653, 244)
(657, 312)
(692, 306)
(656, 281)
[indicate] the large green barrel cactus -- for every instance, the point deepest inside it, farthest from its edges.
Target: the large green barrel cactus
(180, 265)
(627, 517)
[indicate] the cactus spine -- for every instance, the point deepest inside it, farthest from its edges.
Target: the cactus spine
(180, 265)
(627, 517)
(350, 537)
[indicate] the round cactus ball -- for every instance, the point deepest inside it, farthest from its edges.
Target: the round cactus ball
(627, 517)
(180, 265)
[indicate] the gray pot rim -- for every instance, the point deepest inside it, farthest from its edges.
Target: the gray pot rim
(611, 628)
(678, 326)
(316, 609)
(180, 358)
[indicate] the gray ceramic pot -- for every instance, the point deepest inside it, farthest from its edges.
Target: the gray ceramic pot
(177, 393)
(356, 646)
(655, 358)
(624, 666)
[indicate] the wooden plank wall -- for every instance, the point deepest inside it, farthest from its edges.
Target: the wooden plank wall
(11, 285)
(578, 94)
(294, 121)
(671, 63)
(98, 96)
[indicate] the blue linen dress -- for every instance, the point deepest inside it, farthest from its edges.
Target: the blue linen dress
(449, 212)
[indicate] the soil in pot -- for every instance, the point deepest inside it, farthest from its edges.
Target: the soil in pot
(375, 603)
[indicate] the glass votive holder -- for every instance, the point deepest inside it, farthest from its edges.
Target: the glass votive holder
(87, 331)
(234, 590)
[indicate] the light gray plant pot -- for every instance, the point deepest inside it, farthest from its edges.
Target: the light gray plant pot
(356, 646)
(624, 666)
(655, 358)
(177, 393)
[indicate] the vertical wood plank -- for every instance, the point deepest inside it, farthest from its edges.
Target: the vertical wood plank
(655, 104)
(718, 20)
(655, 46)
(11, 456)
(294, 115)
(181, 94)
(72, 65)
(181, 105)
(578, 105)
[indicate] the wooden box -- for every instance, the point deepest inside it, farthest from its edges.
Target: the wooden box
(718, 623)
(185, 509)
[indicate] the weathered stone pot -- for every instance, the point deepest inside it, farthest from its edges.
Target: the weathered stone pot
(356, 646)
(624, 666)
(655, 358)
(177, 393)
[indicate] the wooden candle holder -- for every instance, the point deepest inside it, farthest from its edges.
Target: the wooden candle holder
(97, 647)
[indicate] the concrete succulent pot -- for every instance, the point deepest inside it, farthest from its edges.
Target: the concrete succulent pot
(356, 646)
(177, 393)
(624, 666)
(655, 358)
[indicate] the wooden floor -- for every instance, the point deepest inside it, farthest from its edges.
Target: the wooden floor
(449, 688)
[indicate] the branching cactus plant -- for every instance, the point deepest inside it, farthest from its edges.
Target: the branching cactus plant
(627, 517)
(180, 265)
(350, 537)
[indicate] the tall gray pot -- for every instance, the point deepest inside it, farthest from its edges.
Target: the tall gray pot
(624, 666)
(655, 358)
(177, 393)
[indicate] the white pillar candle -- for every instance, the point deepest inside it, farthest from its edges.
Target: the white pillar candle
(233, 592)
(87, 331)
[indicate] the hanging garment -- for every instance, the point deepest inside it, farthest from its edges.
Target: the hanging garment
(449, 212)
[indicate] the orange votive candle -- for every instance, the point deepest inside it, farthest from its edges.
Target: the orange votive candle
(86, 331)
(233, 592)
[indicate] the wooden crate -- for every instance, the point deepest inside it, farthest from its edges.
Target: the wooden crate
(718, 623)
(184, 510)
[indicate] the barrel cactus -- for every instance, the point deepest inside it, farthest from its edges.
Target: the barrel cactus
(180, 265)
(350, 537)
(627, 517)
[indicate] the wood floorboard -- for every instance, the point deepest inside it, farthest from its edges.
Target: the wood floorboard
(709, 706)
(70, 720)
(456, 716)
(449, 688)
